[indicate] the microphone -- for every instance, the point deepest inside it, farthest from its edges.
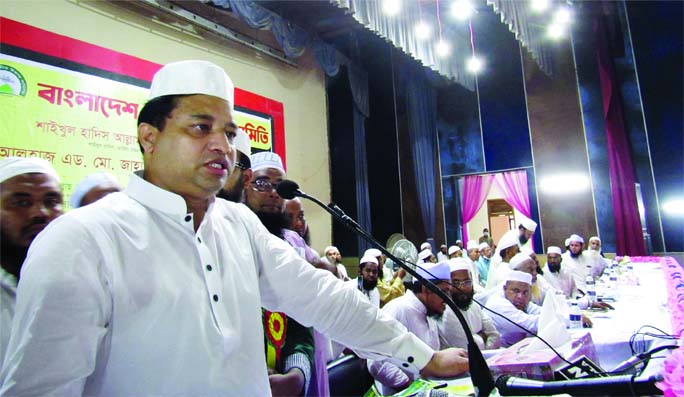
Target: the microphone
(624, 385)
(288, 190)
(480, 374)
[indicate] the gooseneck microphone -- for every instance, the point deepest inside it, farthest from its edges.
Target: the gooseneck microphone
(624, 385)
(479, 371)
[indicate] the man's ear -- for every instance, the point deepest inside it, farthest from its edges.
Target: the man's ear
(147, 136)
(248, 178)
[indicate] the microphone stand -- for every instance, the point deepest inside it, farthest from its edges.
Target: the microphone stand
(479, 371)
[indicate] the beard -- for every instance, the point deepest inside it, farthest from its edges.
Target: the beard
(463, 300)
(233, 193)
(575, 255)
(522, 239)
(275, 223)
(554, 268)
(368, 284)
(434, 314)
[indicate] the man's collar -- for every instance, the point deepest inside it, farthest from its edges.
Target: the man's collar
(415, 302)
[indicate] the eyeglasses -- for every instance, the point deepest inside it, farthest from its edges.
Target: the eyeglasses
(461, 284)
(263, 185)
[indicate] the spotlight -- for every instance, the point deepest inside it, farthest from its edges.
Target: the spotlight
(391, 7)
(461, 9)
(555, 31)
(539, 5)
(443, 48)
(562, 16)
(674, 207)
(423, 30)
(474, 64)
(564, 183)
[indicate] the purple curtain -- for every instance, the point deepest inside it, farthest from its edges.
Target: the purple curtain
(513, 185)
(628, 234)
(475, 191)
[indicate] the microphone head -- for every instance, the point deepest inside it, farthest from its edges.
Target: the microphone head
(287, 189)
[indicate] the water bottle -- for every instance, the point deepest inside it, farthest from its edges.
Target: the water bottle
(575, 316)
(591, 289)
(613, 278)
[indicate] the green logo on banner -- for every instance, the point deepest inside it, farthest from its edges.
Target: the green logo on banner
(11, 81)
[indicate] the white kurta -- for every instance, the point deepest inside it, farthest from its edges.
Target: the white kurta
(411, 312)
(373, 295)
(562, 281)
(8, 292)
(579, 266)
(451, 333)
(123, 298)
(511, 334)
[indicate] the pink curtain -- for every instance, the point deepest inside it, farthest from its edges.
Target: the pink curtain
(513, 185)
(475, 191)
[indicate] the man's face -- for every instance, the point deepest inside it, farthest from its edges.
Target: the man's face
(434, 304)
(28, 202)
(524, 235)
(443, 249)
(486, 252)
(236, 183)
(295, 211)
(529, 266)
(575, 247)
(333, 256)
(595, 245)
(461, 289)
(474, 254)
(369, 274)
(261, 195)
(518, 293)
(194, 153)
(554, 262)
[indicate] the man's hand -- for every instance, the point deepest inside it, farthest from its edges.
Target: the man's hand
(446, 363)
(288, 384)
(401, 273)
(601, 305)
(586, 322)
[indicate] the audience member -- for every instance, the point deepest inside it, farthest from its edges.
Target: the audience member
(451, 333)
(93, 187)
(367, 280)
(442, 254)
(389, 287)
(483, 262)
(507, 248)
(294, 210)
(426, 256)
(454, 252)
(514, 304)
(580, 263)
(486, 238)
(473, 257)
(158, 290)
(241, 175)
(334, 257)
(30, 198)
(418, 310)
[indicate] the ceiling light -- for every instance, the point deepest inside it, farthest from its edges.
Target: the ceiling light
(539, 5)
(674, 207)
(562, 16)
(555, 31)
(474, 64)
(423, 30)
(443, 48)
(461, 9)
(391, 7)
(564, 183)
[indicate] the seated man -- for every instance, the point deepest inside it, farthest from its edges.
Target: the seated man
(333, 256)
(473, 256)
(507, 248)
(581, 263)
(514, 304)
(454, 252)
(367, 281)
(451, 334)
(442, 254)
(426, 256)
(557, 275)
(418, 310)
(390, 283)
(483, 262)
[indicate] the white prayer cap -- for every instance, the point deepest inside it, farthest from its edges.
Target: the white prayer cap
(242, 143)
(13, 166)
(424, 254)
(453, 249)
(374, 252)
(483, 245)
(575, 238)
(527, 251)
(518, 259)
(471, 245)
(529, 224)
(507, 240)
(330, 247)
(458, 264)
(368, 259)
(567, 242)
(595, 238)
(425, 246)
(552, 249)
(435, 271)
(88, 183)
(459, 241)
(192, 77)
(263, 160)
(517, 275)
